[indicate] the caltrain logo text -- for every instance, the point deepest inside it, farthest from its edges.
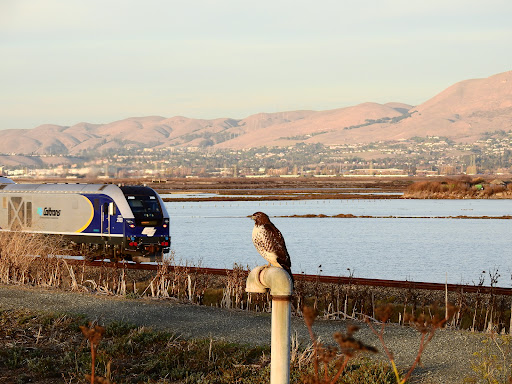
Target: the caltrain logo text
(47, 211)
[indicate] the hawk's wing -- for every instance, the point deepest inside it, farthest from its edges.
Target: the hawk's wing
(274, 243)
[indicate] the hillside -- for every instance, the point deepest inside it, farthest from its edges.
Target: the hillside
(462, 112)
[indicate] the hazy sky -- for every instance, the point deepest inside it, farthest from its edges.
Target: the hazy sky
(68, 61)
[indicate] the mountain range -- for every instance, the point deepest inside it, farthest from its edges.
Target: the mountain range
(462, 112)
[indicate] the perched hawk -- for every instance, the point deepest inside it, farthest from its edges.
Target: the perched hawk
(269, 242)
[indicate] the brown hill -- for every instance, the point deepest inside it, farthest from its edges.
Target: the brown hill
(314, 127)
(463, 112)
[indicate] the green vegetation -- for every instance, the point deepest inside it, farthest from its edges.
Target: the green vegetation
(391, 120)
(304, 137)
(493, 363)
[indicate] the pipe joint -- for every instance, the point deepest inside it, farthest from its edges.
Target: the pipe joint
(266, 277)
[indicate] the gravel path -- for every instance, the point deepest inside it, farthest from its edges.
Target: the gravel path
(447, 359)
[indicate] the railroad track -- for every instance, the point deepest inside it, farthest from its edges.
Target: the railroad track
(322, 279)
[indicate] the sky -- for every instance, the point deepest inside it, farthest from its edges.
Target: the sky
(70, 61)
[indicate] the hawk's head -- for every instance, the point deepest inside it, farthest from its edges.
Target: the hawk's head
(260, 218)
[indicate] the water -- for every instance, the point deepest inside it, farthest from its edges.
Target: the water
(218, 234)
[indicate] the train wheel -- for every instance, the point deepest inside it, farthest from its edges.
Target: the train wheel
(160, 256)
(86, 252)
(115, 256)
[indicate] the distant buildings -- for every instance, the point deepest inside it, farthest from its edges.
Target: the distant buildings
(421, 156)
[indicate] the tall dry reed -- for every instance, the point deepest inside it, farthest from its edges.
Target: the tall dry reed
(30, 259)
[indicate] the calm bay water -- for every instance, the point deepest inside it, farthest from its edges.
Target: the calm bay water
(218, 234)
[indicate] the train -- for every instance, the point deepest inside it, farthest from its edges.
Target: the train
(97, 221)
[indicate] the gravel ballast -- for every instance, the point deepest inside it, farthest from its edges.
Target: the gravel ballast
(447, 359)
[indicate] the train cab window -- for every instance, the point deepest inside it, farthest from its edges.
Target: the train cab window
(109, 211)
(144, 205)
(146, 209)
(112, 209)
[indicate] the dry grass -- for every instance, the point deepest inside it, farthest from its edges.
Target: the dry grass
(330, 362)
(457, 188)
(324, 356)
(30, 259)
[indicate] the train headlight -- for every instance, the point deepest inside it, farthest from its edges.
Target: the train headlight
(130, 223)
(166, 223)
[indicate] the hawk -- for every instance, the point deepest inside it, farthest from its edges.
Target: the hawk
(269, 242)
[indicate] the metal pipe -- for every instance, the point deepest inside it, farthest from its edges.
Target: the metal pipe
(281, 288)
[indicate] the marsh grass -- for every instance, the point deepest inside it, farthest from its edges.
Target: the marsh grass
(31, 259)
(474, 311)
(456, 188)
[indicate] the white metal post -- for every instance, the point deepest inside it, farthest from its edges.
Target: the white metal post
(280, 347)
(278, 281)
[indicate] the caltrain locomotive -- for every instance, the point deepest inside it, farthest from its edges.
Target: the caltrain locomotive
(96, 220)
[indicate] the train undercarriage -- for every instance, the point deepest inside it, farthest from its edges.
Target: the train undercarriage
(117, 250)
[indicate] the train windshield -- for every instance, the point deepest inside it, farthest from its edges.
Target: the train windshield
(144, 205)
(145, 208)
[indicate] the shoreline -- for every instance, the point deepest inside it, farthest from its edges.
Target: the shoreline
(351, 216)
(281, 198)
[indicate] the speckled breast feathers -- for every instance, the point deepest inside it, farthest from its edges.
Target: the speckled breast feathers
(269, 242)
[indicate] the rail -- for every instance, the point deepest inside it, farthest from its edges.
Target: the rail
(319, 278)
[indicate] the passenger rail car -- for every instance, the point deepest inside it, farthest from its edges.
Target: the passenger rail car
(98, 220)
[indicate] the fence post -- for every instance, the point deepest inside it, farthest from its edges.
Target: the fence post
(281, 288)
